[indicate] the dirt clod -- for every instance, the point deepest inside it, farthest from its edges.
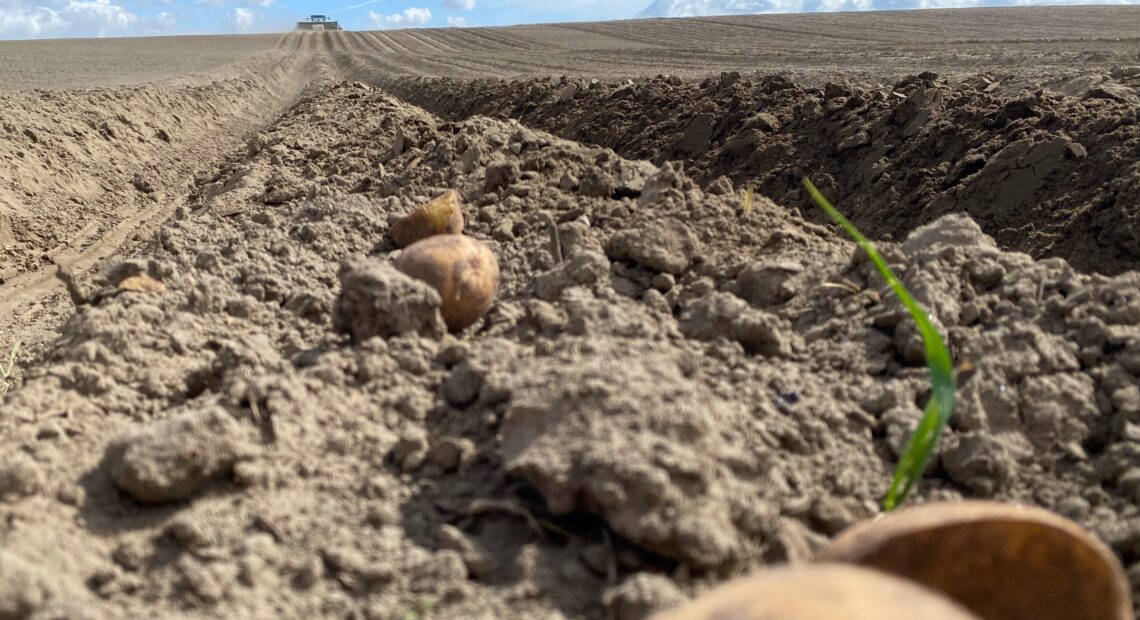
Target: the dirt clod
(22, 591)
(20, 476)
(667, 246)
(722, 315)
(640, 596)
(560, 405)
(500, 175)
(478, 562)
(173, 460)
(377, 300)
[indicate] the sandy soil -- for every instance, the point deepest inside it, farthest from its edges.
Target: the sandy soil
(1047, 173)
(696, 388)
(102, 63)
(1044, 42)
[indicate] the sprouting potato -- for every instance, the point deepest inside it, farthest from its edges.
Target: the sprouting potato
(440, 216)
(463, 270)
(821, 592)
(1001, 561)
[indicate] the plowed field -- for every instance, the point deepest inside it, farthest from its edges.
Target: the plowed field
(674, 384)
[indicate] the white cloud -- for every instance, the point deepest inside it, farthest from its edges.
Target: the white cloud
(846, 5)
(407, 18)
(98, 16)
(159, 24)
(76, 18)
(458, 5)
(21, 22)
(456, 22)
(946, 4)
(354, 6)
(241, 19)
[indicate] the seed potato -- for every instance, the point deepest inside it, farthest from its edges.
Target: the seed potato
(463, 270)
(1001, 561)
(440, 216)
(821, 592)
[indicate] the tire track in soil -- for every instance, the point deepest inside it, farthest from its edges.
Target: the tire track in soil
(486, 64)
(361, 43)
(461, 42)
(457, 67)
(513, 66)
(427, 42)
(513, 40)
(339, 42)
(372, 67)
(364, 44)
(498, 41)
(442, 41)
(799, 34)
(564, 37)
(376, 43)
(378, 69)
(266, 93)
(232, 101)
(389, 40)
(311, 41)
(618, 31)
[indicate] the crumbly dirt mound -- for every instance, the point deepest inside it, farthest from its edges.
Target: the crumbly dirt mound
(92, 174)
(61, 144)
(1051, 173)
(694, 389)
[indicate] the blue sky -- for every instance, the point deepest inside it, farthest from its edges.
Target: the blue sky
(28, 19)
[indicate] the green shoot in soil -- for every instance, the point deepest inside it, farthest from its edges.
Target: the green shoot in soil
(937, 412)
(6, 371)
(421, 609)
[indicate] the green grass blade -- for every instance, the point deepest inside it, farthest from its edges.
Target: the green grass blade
(937, 412)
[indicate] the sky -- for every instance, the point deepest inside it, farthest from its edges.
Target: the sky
(32, 19)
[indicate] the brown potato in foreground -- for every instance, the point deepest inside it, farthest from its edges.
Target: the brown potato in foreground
(463, 270)
(1001, 561)
(822, 592)
(440, 216)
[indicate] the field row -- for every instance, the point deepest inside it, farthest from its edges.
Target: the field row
(1041, 41)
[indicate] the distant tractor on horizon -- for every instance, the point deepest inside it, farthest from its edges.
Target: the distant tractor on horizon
(318, 22)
